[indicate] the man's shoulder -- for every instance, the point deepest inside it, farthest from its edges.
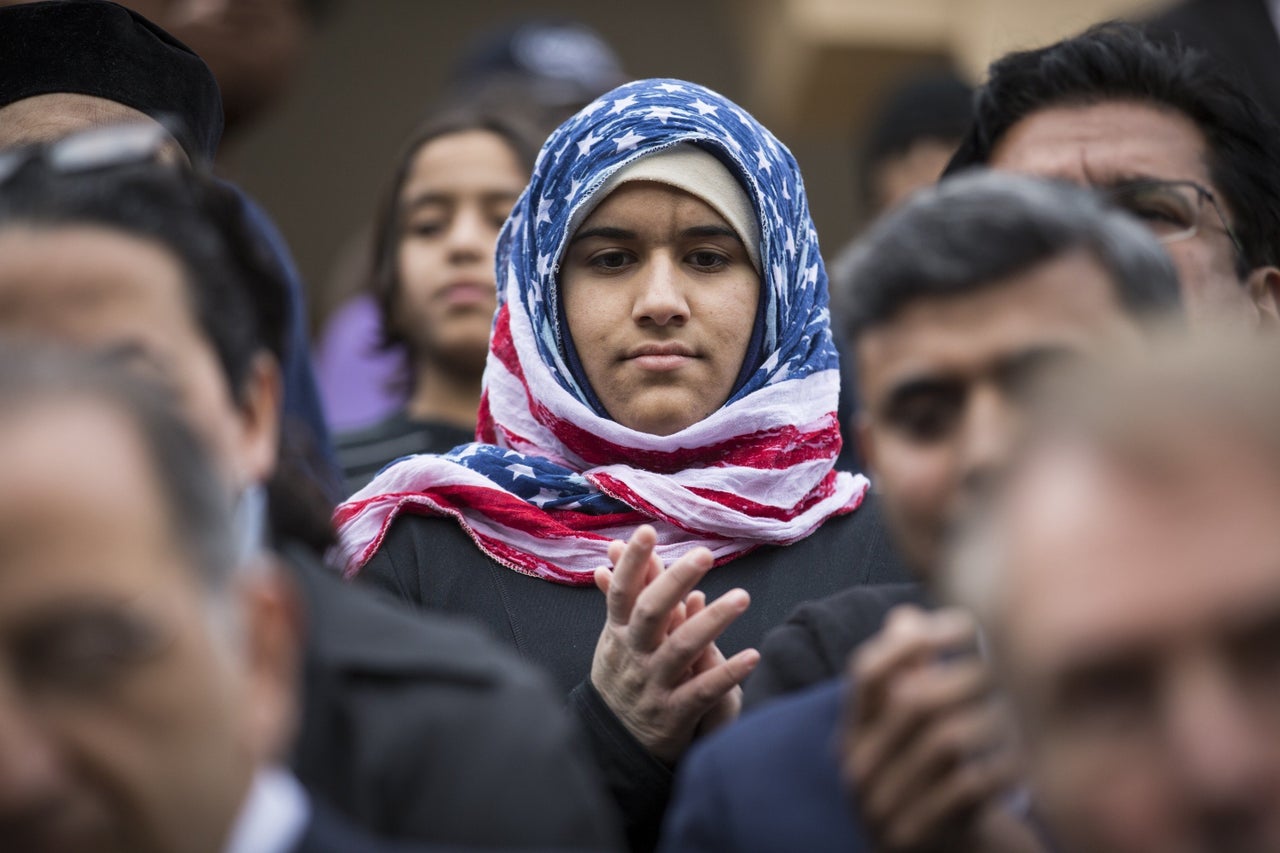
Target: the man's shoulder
(858, 611)
(771, 781)
(798, 728)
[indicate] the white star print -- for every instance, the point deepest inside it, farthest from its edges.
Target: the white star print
(761, 161)
(573, 189)
(785, 193)
(628, 141)
(790, 245)
(544, 211)
(544, 265)
(584, 144)
(811, 275)
(737, 146)
(703, 108)
(520, 470)
(622, 103)
(592, 107)
(670, 87)
(661, 113)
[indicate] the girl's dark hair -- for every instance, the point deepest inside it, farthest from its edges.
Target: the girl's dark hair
(237, 292)
(384, 276)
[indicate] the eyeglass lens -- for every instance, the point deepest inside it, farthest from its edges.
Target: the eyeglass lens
(1170, 211)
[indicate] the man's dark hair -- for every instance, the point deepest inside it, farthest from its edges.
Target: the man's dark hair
(977, 230)
(236, 290)
(238, 293)
(1115, 61)
(191, 491)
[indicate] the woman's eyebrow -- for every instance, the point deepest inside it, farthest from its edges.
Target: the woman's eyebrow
(710, 231)
(603, 231)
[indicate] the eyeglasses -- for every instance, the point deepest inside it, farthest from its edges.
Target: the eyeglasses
(1172, 210)
(99, 148)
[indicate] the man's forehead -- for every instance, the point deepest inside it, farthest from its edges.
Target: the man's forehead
(1104, 143)
(46, 118)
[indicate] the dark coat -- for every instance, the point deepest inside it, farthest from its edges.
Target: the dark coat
(434, 564)
(426, 729)
(769, 783)
(815, 642)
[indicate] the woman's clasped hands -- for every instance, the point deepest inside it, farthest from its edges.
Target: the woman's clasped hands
(656, 664)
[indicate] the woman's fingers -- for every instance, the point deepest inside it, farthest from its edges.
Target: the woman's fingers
(701, 693)
(691, 640)
(652, 608)
(629, 572)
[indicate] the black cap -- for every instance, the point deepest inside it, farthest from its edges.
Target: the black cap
(95, 47)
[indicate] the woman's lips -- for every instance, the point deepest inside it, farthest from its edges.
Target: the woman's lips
(465, 293)
(661, 358)
(661, 363)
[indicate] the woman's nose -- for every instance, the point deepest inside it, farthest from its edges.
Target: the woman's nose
(470, 236)
(660, 299)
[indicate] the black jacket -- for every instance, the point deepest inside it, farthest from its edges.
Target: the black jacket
(434, 564)
(815, 642)
(426, 729)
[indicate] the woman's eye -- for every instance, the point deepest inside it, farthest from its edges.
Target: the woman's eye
(707, 260)
(610, 260)
(425, 228)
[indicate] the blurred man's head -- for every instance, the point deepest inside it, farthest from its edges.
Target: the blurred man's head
(146, 675)
(911, 139)
(955, 302)
(169, 281)
(69, 65)
(1160, 127)
(1129, 581)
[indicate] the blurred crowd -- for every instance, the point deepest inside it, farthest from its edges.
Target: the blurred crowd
(593, 505)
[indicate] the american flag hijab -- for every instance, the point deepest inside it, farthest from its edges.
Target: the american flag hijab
(552, 479)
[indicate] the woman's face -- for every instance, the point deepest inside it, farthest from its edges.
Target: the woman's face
(660, 297)
(458, 192)
(127, 298)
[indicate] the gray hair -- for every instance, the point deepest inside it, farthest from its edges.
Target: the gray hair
(980, 228)
(193, 492)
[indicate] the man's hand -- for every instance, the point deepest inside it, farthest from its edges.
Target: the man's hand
(656, 664)
(926, 748)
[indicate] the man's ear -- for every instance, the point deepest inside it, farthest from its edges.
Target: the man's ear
(1263, 286)
(259, 407)
(275, 625)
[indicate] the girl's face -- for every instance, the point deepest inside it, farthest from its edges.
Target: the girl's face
(660, 298)
(458, 192)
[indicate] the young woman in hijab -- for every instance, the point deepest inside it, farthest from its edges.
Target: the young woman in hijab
(432, 280)
(661, 356)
